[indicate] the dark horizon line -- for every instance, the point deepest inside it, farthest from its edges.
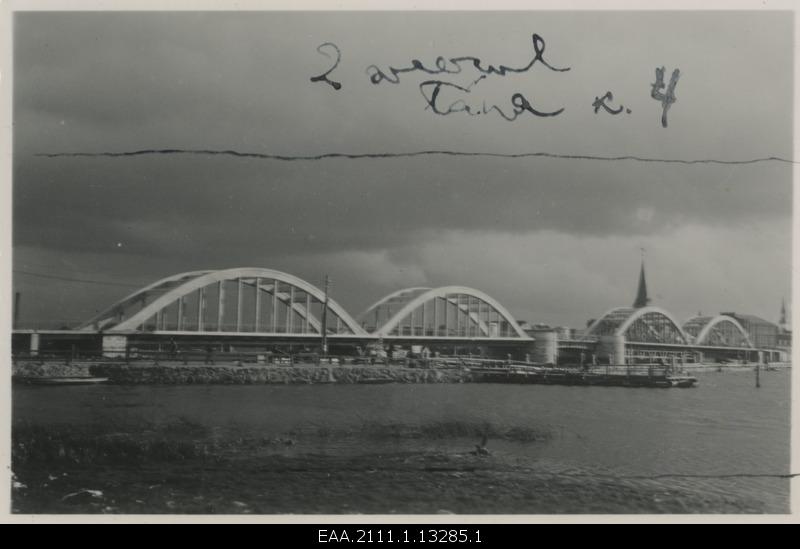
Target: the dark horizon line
(385, 155)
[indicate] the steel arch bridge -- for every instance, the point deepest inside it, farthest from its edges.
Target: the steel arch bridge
(639, 325)
(717, 331)
(444, 312)
(240, 300)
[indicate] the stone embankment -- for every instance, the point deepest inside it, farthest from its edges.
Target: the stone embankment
(177, 373)
(184, 374)
(50, 369)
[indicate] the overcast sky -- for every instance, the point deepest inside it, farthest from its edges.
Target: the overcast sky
(554, 240)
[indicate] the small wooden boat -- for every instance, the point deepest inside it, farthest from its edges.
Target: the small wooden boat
(76, 380)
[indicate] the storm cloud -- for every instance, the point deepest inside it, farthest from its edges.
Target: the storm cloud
(532, 232)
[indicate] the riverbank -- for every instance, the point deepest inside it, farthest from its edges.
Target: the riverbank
(228, 374)
(179, 373)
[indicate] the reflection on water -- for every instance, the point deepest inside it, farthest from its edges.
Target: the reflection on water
(661, 440)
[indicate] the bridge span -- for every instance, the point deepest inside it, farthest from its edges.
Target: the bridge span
(258, 308)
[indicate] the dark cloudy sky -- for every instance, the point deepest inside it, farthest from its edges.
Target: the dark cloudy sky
(554, 240)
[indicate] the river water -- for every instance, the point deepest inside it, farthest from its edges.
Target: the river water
(404, 448)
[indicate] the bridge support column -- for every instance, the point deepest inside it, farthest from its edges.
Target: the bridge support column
(34, 345)
(114, 346)
(613, 348)
(545, 347)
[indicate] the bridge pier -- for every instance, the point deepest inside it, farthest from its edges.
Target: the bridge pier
(114, 346)
(34, 345)
(545, 346)
(613, 348)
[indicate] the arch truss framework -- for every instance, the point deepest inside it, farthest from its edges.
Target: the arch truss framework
(642, 325)
(233, 300)
(449, 311)
(717, 331)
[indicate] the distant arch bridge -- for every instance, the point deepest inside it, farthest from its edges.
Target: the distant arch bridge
(240, 300)
(444, 312)
(260, 308)
(258, 301)
(717, 331)
(652, 325)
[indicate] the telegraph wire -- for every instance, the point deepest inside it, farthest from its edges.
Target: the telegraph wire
(82, 280)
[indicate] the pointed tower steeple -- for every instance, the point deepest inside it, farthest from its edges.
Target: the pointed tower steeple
(784, 324)
(641, 294)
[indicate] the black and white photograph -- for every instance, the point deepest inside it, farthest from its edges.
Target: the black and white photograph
(499, 261)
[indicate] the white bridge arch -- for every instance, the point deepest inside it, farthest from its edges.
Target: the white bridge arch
(197, 301)
(639, 325)
(717, 331)
(448, 311)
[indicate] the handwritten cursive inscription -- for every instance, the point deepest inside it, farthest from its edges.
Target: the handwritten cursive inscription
(432, 89)
(455, 65)
(600, 103)
(324, 76)
(442, 96)
(668, 98)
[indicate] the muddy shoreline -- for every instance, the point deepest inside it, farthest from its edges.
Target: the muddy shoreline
(181, 468)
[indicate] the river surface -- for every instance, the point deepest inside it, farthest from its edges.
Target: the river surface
(403, 448)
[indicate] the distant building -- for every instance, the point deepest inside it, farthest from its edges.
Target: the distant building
(564, 332)
(784, 339)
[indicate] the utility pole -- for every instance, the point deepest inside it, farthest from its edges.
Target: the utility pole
(324, 327)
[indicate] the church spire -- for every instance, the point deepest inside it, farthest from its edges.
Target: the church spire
(641, 294)
(783, 322)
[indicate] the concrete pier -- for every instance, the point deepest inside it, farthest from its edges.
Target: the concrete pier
(545, 346)
(612, 348)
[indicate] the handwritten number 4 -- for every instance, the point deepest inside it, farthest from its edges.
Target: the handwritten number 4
(668, 98)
